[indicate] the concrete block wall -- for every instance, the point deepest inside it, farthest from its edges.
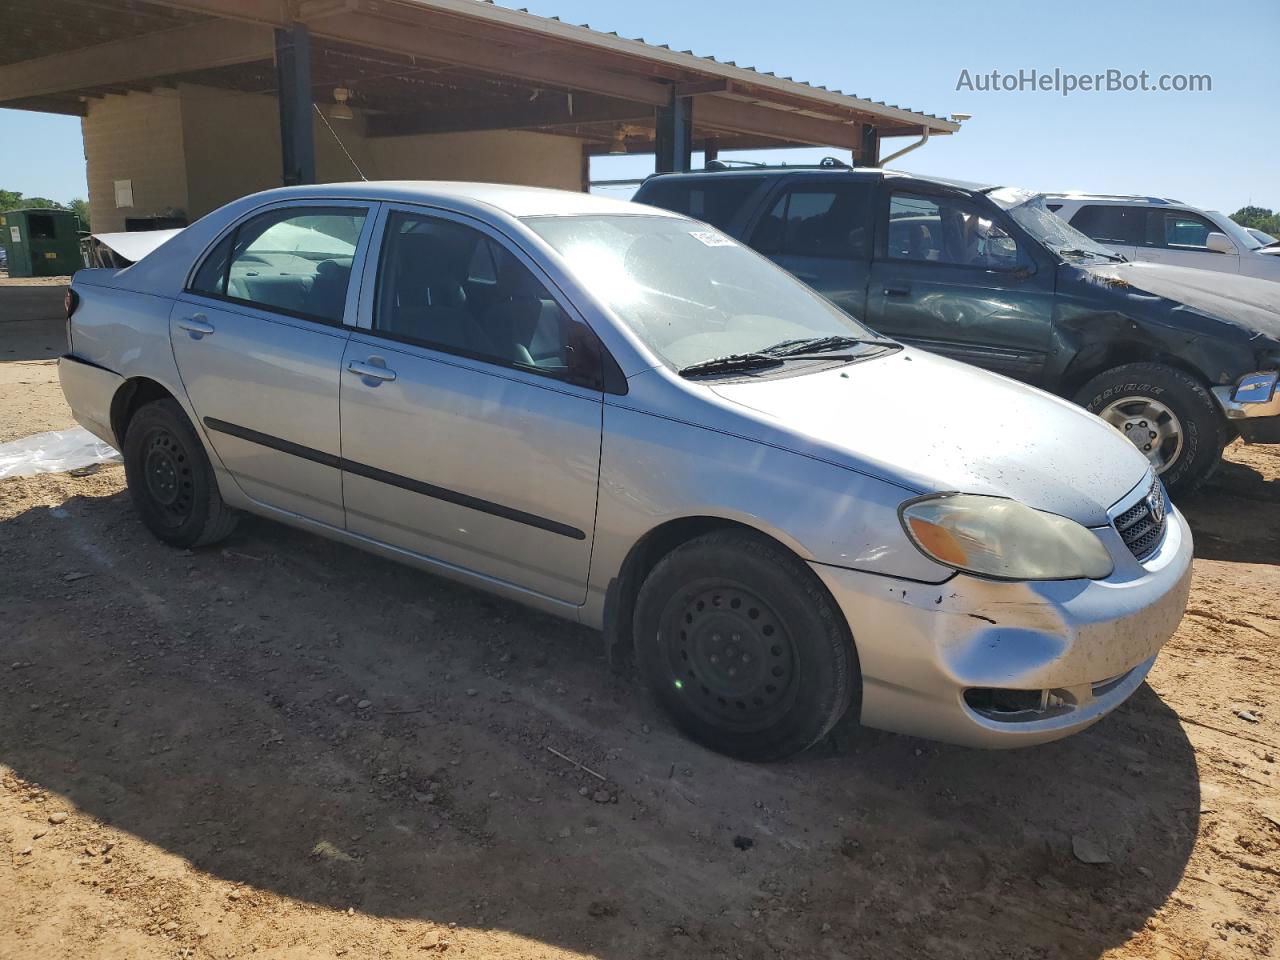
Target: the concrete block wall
(195, 148)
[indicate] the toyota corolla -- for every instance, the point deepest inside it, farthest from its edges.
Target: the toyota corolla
(626, 418)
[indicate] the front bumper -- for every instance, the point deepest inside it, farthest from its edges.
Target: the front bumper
(1084, 645)
(1255, 422)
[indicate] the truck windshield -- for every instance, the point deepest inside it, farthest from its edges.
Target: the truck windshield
(1060, 237)
(688, 291)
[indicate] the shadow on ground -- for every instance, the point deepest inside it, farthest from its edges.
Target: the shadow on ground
(239, 706)
(1233, 515)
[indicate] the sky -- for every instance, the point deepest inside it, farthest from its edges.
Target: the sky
(1217, 149)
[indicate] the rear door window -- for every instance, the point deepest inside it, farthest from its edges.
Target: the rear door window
(1108, 223)
(817, 221)
(295, 261)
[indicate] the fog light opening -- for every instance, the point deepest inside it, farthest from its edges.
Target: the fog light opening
(1011, 706)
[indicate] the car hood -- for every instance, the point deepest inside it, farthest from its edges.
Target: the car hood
(1249, 301)
(936, 425)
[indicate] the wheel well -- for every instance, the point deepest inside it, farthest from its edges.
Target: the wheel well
(620, 598)
(1088, 364)
(129, 399)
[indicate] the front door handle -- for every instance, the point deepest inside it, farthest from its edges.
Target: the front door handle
(370, 371)
(196, 325)
(902, 291)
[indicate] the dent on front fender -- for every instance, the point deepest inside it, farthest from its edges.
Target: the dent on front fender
(1101, 312)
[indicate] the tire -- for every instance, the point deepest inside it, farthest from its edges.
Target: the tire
(170, 480)
(744, 647)
(1125, 395)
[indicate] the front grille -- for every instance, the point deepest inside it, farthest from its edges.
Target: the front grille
(1142, 526)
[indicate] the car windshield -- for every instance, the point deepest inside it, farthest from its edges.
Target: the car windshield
(688, 291)
(1239, 234)
(1060, 237)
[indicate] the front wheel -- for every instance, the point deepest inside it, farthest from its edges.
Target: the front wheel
(744, 647)
(170, 479)
(1167, 414)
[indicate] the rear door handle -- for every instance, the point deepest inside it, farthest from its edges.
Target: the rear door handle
(370, 371)
(902, 291)
(196, 325)
(809, 278)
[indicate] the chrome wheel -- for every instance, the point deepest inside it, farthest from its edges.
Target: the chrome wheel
(1150, 426)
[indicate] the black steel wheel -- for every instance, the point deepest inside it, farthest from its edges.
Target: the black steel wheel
(732, 652)
(167, 471)
(170, 479)
(744, 647)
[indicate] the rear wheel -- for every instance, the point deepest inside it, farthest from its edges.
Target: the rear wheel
(170, 480)
(1167, 414)
(744, 647)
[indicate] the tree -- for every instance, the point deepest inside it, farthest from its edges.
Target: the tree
(80, 207)
(1259, 218)
(14, 200)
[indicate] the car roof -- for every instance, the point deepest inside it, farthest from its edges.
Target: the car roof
(859, 173)
(512, 199)
(1107, 198)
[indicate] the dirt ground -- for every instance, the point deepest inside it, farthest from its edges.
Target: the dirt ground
(284, 748)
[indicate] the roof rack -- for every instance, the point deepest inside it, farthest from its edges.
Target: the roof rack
(719, 166)
(1132, 198)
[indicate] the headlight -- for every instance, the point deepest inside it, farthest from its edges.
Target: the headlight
(1003, 538)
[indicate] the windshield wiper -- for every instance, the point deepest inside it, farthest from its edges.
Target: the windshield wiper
(730, 363)
(1076, 252)
(805, 345)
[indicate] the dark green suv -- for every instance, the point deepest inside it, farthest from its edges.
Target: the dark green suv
(1180, 360)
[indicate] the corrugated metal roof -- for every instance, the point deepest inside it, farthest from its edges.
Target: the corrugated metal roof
(709, 64)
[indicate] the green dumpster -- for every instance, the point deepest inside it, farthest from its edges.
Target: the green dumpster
(41, 243)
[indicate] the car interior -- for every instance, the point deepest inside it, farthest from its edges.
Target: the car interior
(446, 285)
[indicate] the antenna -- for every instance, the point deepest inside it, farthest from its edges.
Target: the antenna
(341, 145)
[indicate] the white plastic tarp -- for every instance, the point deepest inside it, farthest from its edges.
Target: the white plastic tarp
(53, 452)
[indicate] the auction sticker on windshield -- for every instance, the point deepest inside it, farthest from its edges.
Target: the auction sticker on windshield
(712, 239)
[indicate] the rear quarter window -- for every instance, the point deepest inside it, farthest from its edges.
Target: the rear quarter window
(716, 202)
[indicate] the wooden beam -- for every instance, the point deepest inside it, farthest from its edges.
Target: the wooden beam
(549, 110)
(218, 43)
(736, 116)
(551, 69)
(71, 108)
(695, 88)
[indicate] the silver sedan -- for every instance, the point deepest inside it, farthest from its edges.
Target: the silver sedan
(625, 418)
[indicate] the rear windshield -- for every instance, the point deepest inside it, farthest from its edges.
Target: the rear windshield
(712, 201)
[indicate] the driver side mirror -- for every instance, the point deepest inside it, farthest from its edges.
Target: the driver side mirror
(1219, 243)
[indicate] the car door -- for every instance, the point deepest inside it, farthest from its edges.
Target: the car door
(471, 408)
(951, 276)
(1180, 238)
(821, 231)
(258, 336)
(1122, 228)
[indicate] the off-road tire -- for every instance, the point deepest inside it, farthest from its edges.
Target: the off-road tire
(1205, 431)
